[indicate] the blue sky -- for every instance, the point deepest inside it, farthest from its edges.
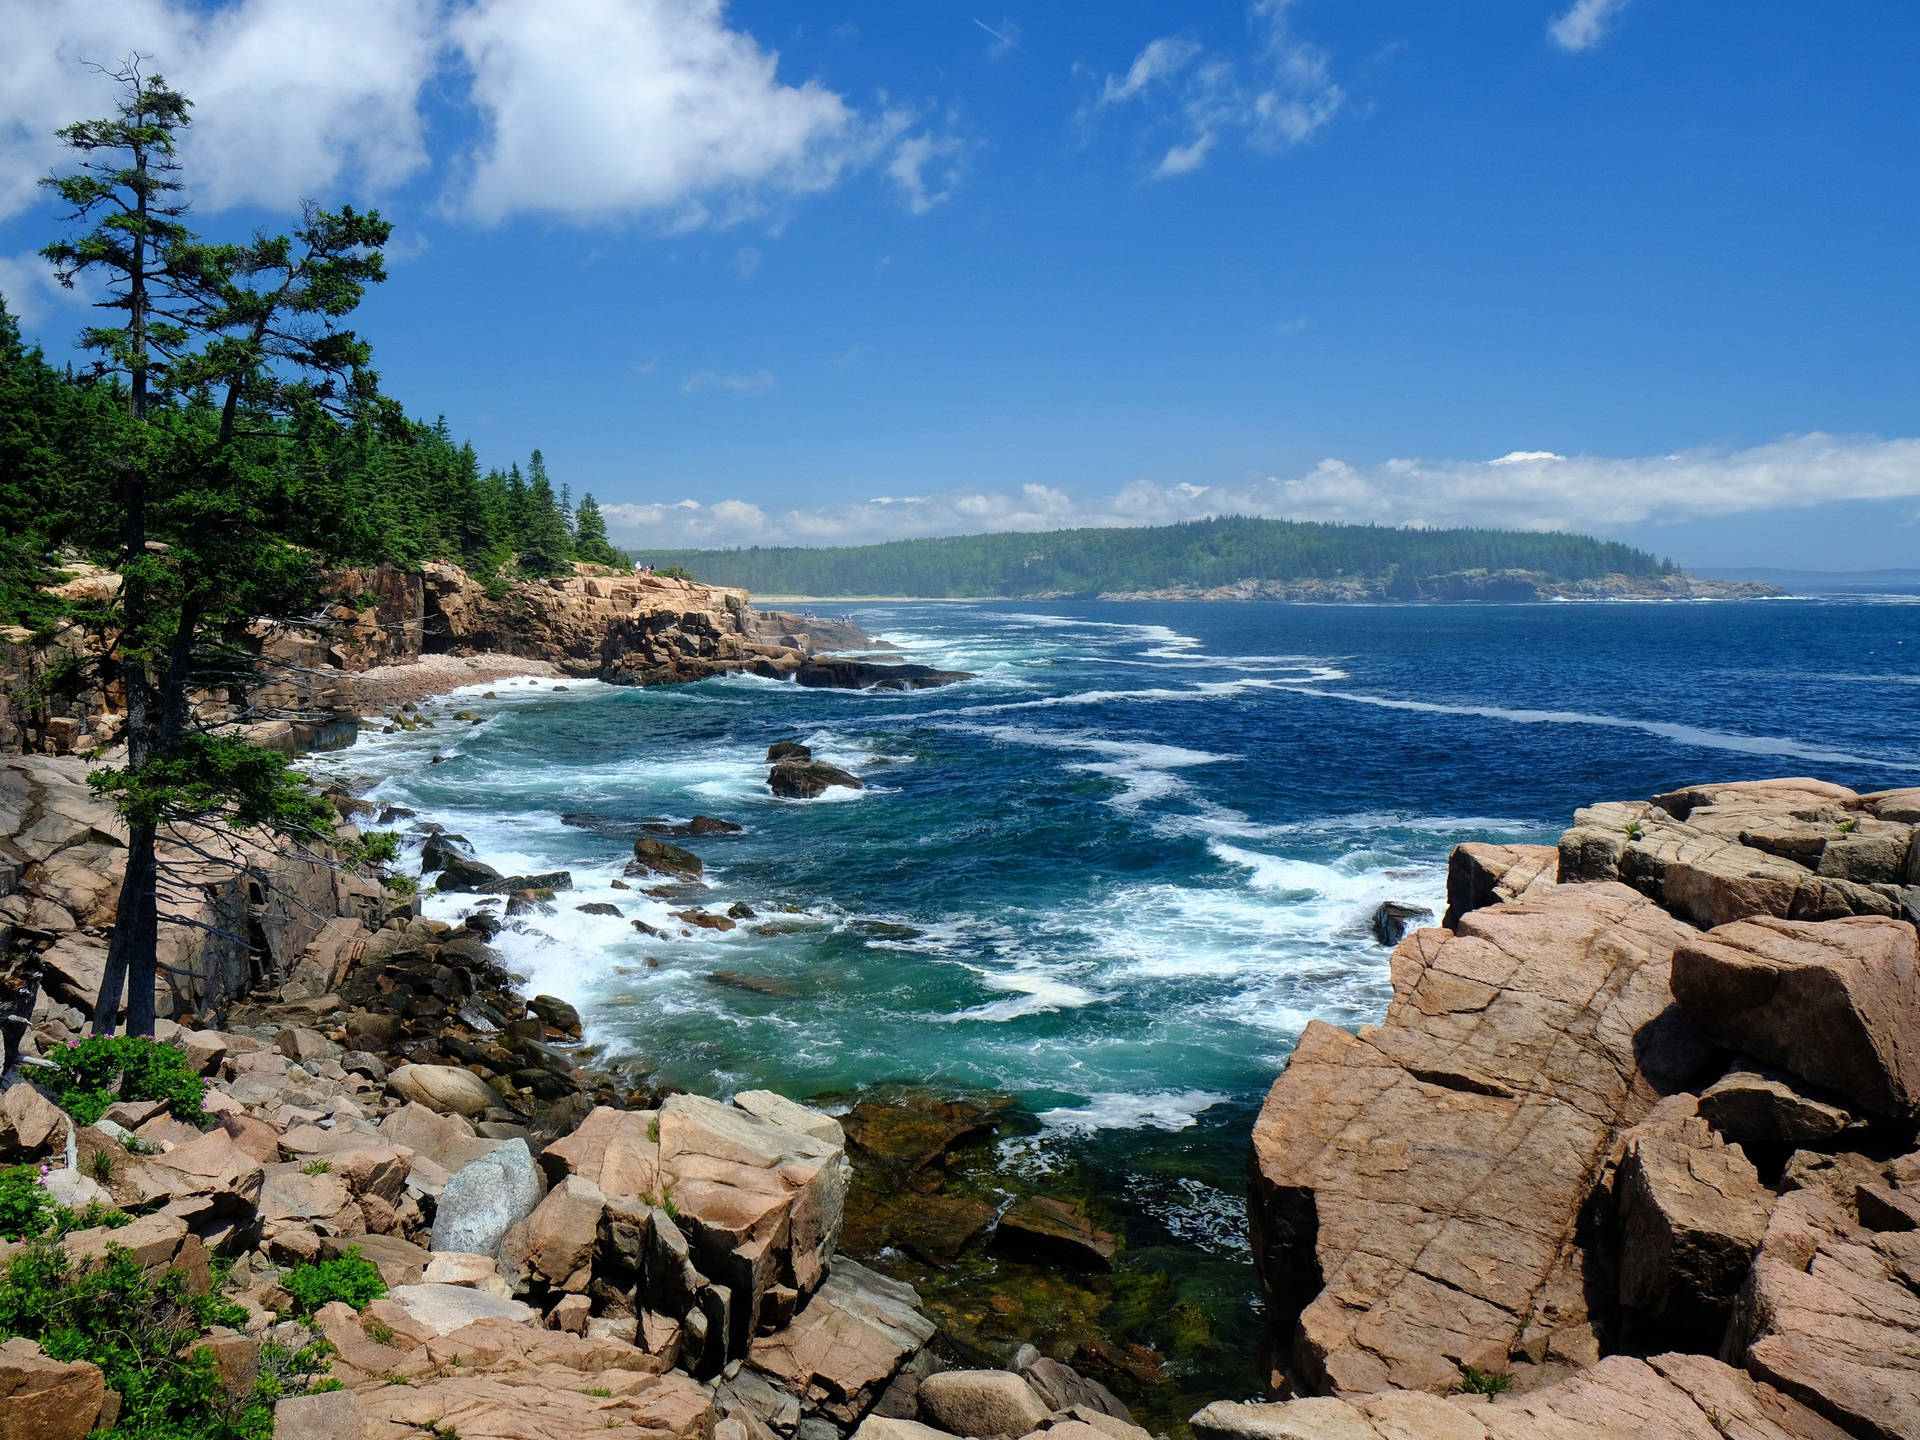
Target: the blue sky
(763, 272)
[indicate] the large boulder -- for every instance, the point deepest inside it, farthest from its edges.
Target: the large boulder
(1691, 1214)
(1835, 1002)
(981, 1402)
(444, 1309)
(658, 857)
(486, 1199)
(445, 1088)
(1479, 875)
(1830, 1315)
(808, 779)
(43, 1399)
(761, 1204)
(849, 1342)
(617, 1151)
(561, 1234)
(1427, 1177)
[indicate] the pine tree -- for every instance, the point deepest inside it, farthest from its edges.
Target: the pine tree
(228, 353)
(590, 534)
(545, 548)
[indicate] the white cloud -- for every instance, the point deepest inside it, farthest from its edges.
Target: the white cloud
(1584, 25)
(755, 382)
(290, 99)
(1527, 490)
(589, 110)
(1006, 38)
(1279, 98)
(28, 285)
(913, 157)
(1161, 59)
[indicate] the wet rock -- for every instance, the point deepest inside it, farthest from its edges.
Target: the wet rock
(702, 920)
(459, 873)
(758, 984)
(1479, 875)
(740, 910)
(867, 675)
(658, 857)
(549, 882)
(980, 1402)
(788, 750)
(486, 1199)
(599, 907)
(808, 779)
(1835, 1002)
(901, 1137)
(1056, 1232)
(557, 1013)
(1392, 919)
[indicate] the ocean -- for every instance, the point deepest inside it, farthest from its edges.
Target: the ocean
(1115, 875)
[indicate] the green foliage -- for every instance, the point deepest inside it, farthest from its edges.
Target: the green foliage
(590, 534)
(346, 1277)
(1482, 1382)
(101, 1069)
(317, 1167)
(220, 776)
(29, 1211)
(1200, 553)
(675, 572)
(139, 1329)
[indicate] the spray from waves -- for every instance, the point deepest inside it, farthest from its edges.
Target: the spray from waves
(1164, 1110)
(1694, 735)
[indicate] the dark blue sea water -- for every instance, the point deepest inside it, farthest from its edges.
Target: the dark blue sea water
(1118, 872)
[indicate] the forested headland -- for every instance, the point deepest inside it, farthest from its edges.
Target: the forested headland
(1198, 555)
(379, 487)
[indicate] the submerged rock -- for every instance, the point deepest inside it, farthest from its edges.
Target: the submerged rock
(1392, 918)
(1055, 1231)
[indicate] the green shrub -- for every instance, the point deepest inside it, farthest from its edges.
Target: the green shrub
(135, 1326)
(1482, 1382)
(27, 1210)
(346, 1277)
(101, 1069)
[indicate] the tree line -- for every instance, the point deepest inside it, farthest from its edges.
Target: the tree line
(224, 446)
(1199, 553)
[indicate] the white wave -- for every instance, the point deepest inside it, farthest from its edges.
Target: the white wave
(1142, 768)
(1164, 1110)
(1694, 735)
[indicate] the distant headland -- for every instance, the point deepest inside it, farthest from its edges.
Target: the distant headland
(1228, 558)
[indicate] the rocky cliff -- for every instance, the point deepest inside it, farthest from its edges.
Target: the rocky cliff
(1652, 1093)
(596, 623)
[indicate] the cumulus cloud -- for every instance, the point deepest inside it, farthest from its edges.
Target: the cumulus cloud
(1278, 98)
(290, 99)
(587, 110)
(1584, 24)
(755, 382)
(1527, 490)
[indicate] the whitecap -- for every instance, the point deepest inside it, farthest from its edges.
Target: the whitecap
(1164, 1110)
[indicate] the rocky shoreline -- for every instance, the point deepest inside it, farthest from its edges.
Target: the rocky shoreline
(1495, 587)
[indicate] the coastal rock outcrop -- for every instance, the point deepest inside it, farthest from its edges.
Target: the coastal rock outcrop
(1609, 1109)
(1427, 1176)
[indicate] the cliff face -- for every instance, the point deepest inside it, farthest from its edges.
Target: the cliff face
(1656, 1089)
(597, 623)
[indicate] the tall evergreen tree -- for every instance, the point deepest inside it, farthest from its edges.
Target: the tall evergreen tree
(207, 539)
(545, 546)
(590, 534)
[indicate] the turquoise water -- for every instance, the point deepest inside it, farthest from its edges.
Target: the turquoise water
(1118, 872)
